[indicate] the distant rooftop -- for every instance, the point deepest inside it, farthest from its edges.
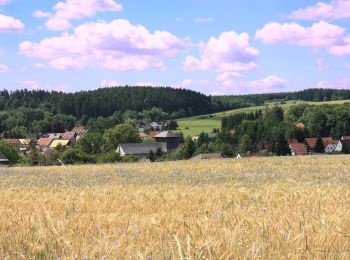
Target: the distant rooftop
(166, 134)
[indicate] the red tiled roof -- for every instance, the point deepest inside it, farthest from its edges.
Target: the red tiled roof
(68, 135)
(78, 129)
(154, 133)
(311, 143)
(346, 137)
(44, 141)
(298, 148)
(13, 141)
(293, 141)
(327, 141)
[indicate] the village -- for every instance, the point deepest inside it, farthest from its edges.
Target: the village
(166, 142)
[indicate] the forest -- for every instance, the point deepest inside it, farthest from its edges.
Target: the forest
(315, 95)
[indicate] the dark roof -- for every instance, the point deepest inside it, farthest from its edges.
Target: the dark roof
(3, 158)
(142, 148)
(298, 148)
(166, 134)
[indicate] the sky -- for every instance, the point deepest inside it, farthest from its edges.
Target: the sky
(215, 47)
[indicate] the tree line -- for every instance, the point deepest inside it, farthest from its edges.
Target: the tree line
(315, 95)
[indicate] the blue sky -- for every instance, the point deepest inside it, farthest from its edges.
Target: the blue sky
(215, 47)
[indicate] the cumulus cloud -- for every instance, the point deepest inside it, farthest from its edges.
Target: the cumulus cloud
(110, 83)
(33, 85)
(230, 52)
(69, 10)
(4, 68)
(41, 14)
(203, 19)
(266, 85)
(335, 84)
(9, 24)
(118, 46)
(336, 9)
(318, 35)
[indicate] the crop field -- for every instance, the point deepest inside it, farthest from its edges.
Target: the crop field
(195, 125)
(263, 208)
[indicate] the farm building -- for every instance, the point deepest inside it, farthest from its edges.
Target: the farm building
(44, 143)
(4, 161)
(343, 146)
(140, 150)
(79, 129)
(56, 143)
(298, 149)
(172, 140)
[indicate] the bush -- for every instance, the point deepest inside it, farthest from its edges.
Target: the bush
(130, 159)
(74, 156)
(111, 157)
(10, 152)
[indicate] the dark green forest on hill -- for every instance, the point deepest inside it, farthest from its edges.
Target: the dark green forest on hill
(29, 112)
(315, 95)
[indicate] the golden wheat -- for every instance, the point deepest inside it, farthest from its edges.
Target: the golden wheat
(270, 208)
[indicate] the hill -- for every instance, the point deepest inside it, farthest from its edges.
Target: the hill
(106, 101)
(195, 125)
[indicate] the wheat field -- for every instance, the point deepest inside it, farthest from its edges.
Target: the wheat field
(263, 208)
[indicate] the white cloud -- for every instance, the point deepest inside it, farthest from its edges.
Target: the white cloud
(318, 35)
(33, 85)
(336, 9)
(41, 14)
(69, 10)
(230, 52)
(343, 83)
(9, 24)
(118, 46)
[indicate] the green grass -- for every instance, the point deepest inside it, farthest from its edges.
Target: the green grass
(192, 126)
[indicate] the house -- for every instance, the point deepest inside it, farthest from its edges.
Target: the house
(79, 129)
(140, 150)
(345, 138)
(4, 161)
(71, 136)
(15, 142)
(54, 136)
(311, 143)
(297, 149)
(343, 146)
(207, 156)
(63, 143)
(152, 134)
(330, 148)
(172, 140)
(44, 143)
(293, 141)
